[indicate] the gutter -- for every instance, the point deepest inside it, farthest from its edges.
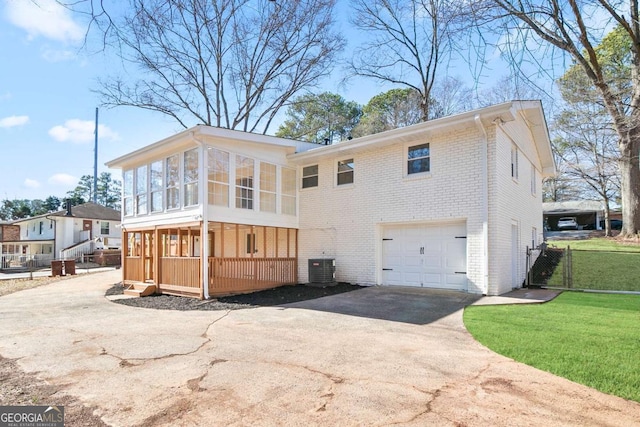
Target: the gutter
(484, 179)
(204, 210)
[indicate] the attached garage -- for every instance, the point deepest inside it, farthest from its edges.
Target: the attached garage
(425, 255)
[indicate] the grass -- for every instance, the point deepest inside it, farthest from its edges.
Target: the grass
(592, 339)
(597, 244)
(602, 264)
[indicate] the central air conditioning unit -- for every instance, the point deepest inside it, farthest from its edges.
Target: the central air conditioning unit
(322, 270)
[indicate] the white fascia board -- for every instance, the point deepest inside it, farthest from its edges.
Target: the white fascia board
(185, 138)
(488, 114)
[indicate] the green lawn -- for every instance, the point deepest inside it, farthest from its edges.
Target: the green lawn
(597, 244)
(592, 339)
(602, 264)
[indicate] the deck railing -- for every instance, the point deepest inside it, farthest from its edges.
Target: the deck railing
(246, 274)
(19, 261)
(133, 269)
(180, 271)
(78, 250)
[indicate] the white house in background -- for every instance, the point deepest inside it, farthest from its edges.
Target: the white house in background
(451, 203)
(65, 234)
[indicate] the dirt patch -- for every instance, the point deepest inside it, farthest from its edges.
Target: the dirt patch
(9, 286)
(18, 388)
(266, 298)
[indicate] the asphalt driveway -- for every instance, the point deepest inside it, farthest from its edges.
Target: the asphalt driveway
(361, 358)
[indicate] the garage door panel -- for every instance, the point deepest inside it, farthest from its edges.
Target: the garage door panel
(425, 255)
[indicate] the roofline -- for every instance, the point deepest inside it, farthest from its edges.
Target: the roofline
(203, 130)
(505, 111)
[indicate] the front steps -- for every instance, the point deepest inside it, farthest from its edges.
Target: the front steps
(140, 289)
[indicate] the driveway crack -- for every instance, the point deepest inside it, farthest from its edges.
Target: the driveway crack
(139, 361)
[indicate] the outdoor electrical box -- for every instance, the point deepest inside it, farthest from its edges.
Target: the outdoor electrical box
(322, 270)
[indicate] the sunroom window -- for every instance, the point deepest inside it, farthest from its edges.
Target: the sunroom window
(156, 185)
(267, 187)
(141, 190)
(218, 166)
(172, 175)
(244, 182)
(127, 190)
(191, 177)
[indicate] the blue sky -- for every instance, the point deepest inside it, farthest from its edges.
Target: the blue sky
(47, 107)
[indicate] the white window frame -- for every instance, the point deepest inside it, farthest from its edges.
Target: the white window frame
(244, 185)
(339, 163)
(307, 175)
(141, 205)
(408, 160)
(534, 178)
(514, 162)
(154, 191)
(288, 191)
(217, 157)
(191, 196)
(103, 228)
(175, 187)
(265, 192)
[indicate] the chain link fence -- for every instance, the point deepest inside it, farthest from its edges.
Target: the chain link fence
(568, 268)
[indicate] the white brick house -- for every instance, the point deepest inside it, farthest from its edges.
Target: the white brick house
(451, 203)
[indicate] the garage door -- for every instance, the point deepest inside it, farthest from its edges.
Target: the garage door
(433, 256)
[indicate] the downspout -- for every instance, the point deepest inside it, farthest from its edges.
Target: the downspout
(484, 194)
(204, 211)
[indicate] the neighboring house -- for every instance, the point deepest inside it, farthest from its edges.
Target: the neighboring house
(68, 233)
(451, 203)
(588, 213)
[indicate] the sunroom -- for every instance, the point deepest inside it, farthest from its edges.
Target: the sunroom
(210, 212)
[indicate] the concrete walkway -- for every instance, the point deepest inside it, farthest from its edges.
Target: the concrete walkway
(312, 363)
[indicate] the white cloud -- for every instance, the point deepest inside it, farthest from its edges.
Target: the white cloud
(6, 96)
(13, 121)
(62, 179)
(31, 183)
(45, 18)
(79, 131)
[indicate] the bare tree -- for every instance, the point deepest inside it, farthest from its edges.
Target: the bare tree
(587, 145)
(407, 42)
(226, 63)
(575, 28)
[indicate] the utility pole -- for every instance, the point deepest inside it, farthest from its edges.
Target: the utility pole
(95, 162)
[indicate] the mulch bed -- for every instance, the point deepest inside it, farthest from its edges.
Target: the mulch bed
(266, 298)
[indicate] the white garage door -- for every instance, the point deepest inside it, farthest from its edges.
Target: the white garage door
(433, 256)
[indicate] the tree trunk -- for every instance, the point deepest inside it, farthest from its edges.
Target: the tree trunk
(607, 218)
(630, 178)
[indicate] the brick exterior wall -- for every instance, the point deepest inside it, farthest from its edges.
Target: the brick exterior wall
(10, 233)
(345, 222)
(512, 204)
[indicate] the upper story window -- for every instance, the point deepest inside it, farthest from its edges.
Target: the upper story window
(172, 176)
(218, 166)
(244, 182)
(267, 187)
(533, 180)
(127, 191)
(345, 172)
(418, 159)
(514, 162)
(104, 227)
(288, 191)
(41, 226)
(191, 177)
(141, 190)
(310, 176)
(156, 186)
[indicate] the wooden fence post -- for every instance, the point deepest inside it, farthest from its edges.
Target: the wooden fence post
(569, 268)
